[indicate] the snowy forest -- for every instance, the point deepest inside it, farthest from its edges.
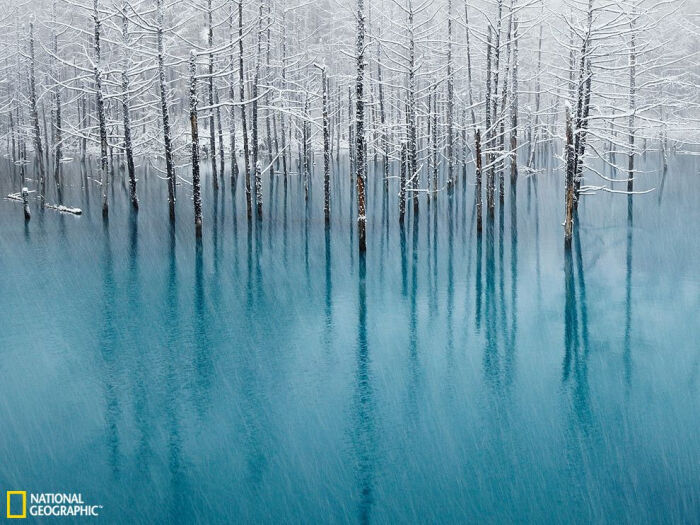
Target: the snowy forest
(352, 261)
(435, 93)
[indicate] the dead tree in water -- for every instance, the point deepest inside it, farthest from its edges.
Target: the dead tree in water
(38, 149)
(170, 168)
(244, 122)
(477, 138)
(570, 174)
(583, 104)
(514, 110)
(126, 112)
(382, 117)
(412, 174)
(270, 153)
(450, 100)
(402, 183)
(326, 147)
(469, 65)
(504, 106)
(496, 56)
(58, 142)
(306, 148)
(360, 128)
(232, 100)
(256, 143)
(489, 132)
(196, 189)
(633, 105)
(25, 202)
(99, 100)
(283, 74)
(434, 146)
(534, 130)
(212, 135)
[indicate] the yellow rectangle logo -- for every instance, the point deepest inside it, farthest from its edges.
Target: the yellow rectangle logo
(22, 493)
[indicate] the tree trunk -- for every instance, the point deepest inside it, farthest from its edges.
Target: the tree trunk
(326, 150)
(38, 148)
(478, 182)
(633, 107)
(25, 203)
(514, 110)
(570, 169)
(58, 142)
(169, 167)
(256, 143)
(489, 132)
(450, 100)
(212, 133)
(244, 124)
(196, 190)
(469, 66)
(99, 101)
(359, 128)
(126, 115)
(403, 168)
(411, 110)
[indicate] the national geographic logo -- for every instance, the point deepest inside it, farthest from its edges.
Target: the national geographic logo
(54, 504)
(16, 494)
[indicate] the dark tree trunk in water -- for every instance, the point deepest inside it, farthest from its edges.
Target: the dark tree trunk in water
(25, 202)
(270, 153)
(489, 133)
(633, 109)
(504, 99)
(305, 146)
(283, 132)
(434, 139)
(326, 149)
(99, 100)
(478, 182)
(126, 115)
(58, 142)
(232, 99)
(534, 130)
(450, 100)
(212, 132)
(196, 190)
(38, 149)
(382, 117)
(402, 184)
(256, 143)
(570, 172)
(127, 143)
(244, 123)
(514, 110)
(170, 168)
(583, 106)
(469, 65)
(220, 132)
(412, 174)
(359, 128)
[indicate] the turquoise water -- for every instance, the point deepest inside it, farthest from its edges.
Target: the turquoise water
(270, 375)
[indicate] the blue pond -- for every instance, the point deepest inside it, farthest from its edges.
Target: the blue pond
(270, 375)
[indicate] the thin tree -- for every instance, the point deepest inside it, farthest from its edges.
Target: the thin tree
(360, 127)
(196, 190)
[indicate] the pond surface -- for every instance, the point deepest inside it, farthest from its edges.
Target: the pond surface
(271, 375)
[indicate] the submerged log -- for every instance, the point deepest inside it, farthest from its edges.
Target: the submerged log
(23, 197)
(65, 209)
